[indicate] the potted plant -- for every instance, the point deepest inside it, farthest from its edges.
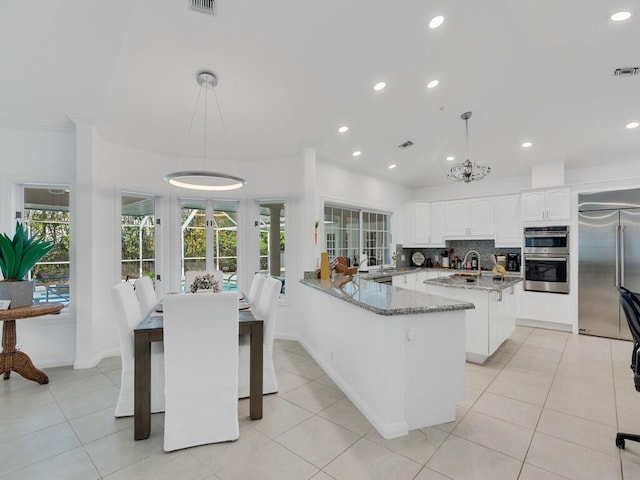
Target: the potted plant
(17, 257)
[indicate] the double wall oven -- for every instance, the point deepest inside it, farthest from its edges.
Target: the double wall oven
(546, 259)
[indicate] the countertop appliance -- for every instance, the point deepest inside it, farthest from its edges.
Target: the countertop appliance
(608, 256)
(546, 259)
(513, 262)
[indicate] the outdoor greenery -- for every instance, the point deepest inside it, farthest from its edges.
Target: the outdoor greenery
(51, 226)
(138, 241)
(20, 253)
(225, 245)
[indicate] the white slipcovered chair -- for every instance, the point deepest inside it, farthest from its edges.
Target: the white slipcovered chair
(256, 288)
(265, 309)
(146, 294)
(190, 276)
(201, 369)
(128, 315)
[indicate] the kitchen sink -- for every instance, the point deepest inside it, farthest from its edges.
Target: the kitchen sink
(469, 275)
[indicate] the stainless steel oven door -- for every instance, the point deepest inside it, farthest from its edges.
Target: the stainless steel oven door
(546, 273)
(546, 242)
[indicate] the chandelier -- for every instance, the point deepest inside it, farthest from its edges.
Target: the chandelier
(203, 179)
(467, 171)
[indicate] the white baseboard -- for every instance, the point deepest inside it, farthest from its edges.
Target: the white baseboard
(563, 327)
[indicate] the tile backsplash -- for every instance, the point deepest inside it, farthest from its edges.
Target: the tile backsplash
(485, 248)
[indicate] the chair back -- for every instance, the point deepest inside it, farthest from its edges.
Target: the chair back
(630, 303)
(267, 309)
(146, 294)
(190, 276)
(128, 315)
(256, 288)
(201, 369)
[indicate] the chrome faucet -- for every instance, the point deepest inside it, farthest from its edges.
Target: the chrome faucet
(464, 262)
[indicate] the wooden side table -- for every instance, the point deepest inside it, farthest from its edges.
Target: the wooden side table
(11, 360)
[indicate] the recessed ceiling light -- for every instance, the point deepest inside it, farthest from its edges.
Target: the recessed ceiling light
(392, 166)
(450, 158)
(379, 86)
(357, 153)
(436, 21)
(632, 125)
(527, 144)
(620, 16)
(433, 84)
(343, 129)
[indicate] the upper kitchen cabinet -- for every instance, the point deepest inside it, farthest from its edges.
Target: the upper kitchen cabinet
(469, 218)
(549, 205)
(508, 224)
(417, 219)
(424, 224)
(437, 225)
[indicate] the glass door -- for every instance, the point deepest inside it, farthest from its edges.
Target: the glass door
(209, 232)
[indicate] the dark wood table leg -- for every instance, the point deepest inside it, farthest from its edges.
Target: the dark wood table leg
(255, 372)
(142, 386)
(13, 360)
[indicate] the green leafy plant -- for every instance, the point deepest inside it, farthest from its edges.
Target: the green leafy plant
(20, 254)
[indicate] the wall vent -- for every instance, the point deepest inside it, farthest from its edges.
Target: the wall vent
(626, 71)
(405, 145)
(204, 5)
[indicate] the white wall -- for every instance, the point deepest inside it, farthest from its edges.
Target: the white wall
(37, 155)
(487, 186)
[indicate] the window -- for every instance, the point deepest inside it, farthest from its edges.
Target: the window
(138, 242)
(349, 231)
(209, 238)
(46, 214)
(272, 239)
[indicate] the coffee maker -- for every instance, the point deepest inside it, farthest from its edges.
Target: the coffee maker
(513, 262)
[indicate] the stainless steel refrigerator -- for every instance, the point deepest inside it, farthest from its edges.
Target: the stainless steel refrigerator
(608, 256)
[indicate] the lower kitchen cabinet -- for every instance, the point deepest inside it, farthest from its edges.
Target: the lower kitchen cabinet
(489, 324)
(542, 309)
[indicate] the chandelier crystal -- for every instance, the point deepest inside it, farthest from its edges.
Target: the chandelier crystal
(467, 171)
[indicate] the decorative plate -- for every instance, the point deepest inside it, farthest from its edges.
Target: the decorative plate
(418, 258)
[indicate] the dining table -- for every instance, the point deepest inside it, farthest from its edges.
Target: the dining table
(150, 329)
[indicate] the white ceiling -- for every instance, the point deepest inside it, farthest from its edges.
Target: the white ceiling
(291, 71)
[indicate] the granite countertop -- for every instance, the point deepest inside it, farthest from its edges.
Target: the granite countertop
(387, 300)
(394, 271)
(485, 282)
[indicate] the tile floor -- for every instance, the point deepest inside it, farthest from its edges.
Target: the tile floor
(546, 406)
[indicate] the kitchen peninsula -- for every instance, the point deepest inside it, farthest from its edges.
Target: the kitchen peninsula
(398, 354)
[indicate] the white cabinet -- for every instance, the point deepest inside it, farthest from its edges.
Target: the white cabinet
(507, 220)
(416, 224)
(544, 309)
(437, 224)
(404, 281)
(552, 204)
(469, 218)
(489, 324)
(424, 224)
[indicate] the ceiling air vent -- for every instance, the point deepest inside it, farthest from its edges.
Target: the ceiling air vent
(626, 71)
(405, 145)
(204, 5)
